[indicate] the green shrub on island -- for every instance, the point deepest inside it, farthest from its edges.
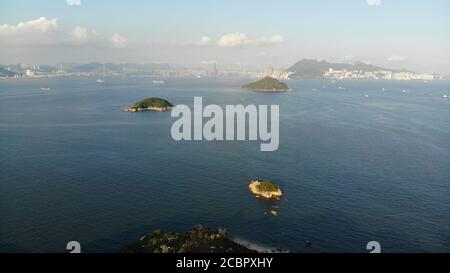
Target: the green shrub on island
(265, 189)
(155, 104)
(267, 84)
(198, 240)
(267, 186)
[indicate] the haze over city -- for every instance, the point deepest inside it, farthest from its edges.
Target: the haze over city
(394, 34)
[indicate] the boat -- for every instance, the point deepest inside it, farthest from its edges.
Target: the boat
(100, 81)
(45, 88)
(158, 82)
(366, 95)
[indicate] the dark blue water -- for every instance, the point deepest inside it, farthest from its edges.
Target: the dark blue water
(354, 169)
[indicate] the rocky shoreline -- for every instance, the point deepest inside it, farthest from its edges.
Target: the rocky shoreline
(159, 109)
(197, 240)
(265, 189)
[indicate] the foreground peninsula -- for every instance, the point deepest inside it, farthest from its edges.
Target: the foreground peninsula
(151, 104)
(265, 189)
(198, 240)
(267, 84)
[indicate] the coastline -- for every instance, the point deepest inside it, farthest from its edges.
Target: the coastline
(267, 90)
(158, 109)
(269, 195)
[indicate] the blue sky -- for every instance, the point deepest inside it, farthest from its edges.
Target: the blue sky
(396, 33)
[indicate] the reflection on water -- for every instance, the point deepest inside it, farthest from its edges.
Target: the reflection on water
(353, 169)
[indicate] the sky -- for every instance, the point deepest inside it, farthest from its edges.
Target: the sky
(412, 34)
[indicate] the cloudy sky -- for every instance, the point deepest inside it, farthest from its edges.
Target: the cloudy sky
(414, 34)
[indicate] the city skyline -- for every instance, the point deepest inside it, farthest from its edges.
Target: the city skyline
(394, 34)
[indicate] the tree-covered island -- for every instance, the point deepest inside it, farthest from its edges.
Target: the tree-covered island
(150, 104)
(265, 189)
(197, 240)
(267, 84)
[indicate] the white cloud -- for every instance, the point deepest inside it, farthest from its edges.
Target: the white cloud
(237, 40)
(374, 2)
(118, 41)
(396, 59)
(275, 39)
(36, 32)
(233, 40)
(41, 24)
(82, 35)
(73, 2)
(204, 41)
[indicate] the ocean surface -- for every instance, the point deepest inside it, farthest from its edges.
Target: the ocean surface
(354, 168)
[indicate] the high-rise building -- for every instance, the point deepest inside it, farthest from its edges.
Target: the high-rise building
(215, 72)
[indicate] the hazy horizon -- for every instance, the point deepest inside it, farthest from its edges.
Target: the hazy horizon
(393, 34)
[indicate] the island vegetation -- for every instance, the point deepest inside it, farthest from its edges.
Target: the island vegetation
(197, 240)
(267, 84)
(150, 104)
(265, 189)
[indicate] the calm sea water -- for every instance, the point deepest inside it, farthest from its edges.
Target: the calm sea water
(353, 168)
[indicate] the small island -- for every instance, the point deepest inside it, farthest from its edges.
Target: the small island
(151, 104)
(198, 240)
(265, 189)
(267, 84)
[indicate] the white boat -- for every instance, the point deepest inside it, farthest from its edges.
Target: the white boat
(100, 81)
(366, 95)
(45, 88)
(158, 82)
(445, 97)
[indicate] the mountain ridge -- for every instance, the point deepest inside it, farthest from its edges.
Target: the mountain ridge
(312, 69)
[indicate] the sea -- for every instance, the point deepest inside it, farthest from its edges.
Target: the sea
(358, 161)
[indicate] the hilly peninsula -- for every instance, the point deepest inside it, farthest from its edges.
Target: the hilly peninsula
(310, 69)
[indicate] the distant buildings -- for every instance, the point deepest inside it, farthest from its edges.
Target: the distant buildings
(36, 71)
(280, 74)
(215, 72)
(344, 74)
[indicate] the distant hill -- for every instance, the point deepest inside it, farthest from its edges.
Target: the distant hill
(110, 67)
(309, 69)
(267, 84)
(6, 73)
